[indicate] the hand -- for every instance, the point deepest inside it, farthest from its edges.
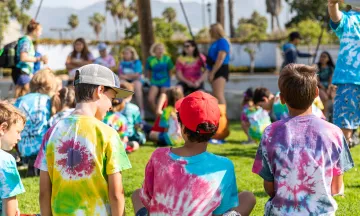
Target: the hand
(211, 77)
(159, 112)
(334, 2)
(17, 212)
(197, 84)
(44, 59)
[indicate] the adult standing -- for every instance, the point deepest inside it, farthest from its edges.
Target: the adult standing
(290, 51)
(25, 53)
(79, 57)
(218, 61)
(189, 68)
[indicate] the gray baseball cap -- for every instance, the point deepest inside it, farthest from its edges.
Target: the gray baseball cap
(99, 75)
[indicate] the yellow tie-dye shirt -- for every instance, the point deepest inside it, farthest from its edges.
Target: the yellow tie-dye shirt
(79, 153)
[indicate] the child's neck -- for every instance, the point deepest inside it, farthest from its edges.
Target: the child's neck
(295, 112)
(324, 65)
(190, 149)
(86, 109)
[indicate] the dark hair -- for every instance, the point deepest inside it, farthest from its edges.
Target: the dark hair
(294, 35)
(32, 26)
(84, 53)
(260, 93)
(174, 94)
(65, 97)
(248, 96)
(330, 62)
(297, 84)
(194, 136)
(196, 51)
(83, 91)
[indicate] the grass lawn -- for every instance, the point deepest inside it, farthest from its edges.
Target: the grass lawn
(243, 158)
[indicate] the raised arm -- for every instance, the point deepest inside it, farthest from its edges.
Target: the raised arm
(334, 12)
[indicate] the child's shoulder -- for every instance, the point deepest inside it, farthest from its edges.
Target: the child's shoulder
(6, 160)
(221, 161)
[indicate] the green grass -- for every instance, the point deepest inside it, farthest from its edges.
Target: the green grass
(243, 158)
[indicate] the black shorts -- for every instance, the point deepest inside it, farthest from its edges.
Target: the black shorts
(223, 72)
(189, 90)
(142, 212)
(15, 74)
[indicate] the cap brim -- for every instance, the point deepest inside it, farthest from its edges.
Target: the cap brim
(178, 104)
(122, 93)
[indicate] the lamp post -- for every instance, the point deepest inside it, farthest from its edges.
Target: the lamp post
(209, 12)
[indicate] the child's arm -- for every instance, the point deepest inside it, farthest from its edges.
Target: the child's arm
(116, 194)
(10, 206)
(335, 13)
(337, 185)
(45, 194)
(269, 188)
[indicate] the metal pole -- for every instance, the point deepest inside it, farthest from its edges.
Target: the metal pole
(38, 10)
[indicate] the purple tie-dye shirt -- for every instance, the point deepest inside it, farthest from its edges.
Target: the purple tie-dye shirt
(301, 155)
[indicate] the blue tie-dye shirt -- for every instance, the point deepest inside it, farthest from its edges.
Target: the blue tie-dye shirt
(301, 155)
(348, 63)
(10, 182)
(37, 108)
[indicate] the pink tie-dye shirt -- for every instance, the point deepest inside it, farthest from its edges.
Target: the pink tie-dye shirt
(204, 184)
(301, 155)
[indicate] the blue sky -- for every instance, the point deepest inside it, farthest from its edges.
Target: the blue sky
(78, 4)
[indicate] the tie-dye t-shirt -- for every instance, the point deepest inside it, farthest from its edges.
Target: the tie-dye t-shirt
(37, 108)
(301, 155)
(280, 111)
(348, 63)
(79, 153)
(133, 117)
(160, 69)
(117, 121)
(258, 118)
(204, 184)
(190, 67)
(10, 182)
(55, 118)
(169, 121)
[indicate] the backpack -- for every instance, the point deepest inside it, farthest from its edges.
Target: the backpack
(8, 58)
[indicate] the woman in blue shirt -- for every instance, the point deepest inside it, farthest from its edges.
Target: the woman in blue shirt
(218, 61)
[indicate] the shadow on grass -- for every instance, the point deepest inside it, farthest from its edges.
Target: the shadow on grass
(236, 152)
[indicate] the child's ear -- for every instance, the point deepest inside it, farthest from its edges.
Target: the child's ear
(282, 99)
(317, 92)
(99, 91)
(3, 128)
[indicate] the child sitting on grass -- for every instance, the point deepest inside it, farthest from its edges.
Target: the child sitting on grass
(246, 103)
(189, 180)
(301, 158)
(37, 107)
(63, 104)
(255, 118)
(116, 120)
(81, 158)
(169, 121)
(133, 117)
(12, 122)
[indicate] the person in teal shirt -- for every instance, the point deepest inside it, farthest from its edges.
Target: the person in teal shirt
(159, 67)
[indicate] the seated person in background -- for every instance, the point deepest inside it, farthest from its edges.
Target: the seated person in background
(169, 121)
(115, 119)
(301, 158)
(199, 183)
(12, 122)
(326, 68)
(256, 117)
(105, 59)
(246, 103)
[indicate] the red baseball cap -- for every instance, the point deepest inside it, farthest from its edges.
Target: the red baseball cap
(197, 108)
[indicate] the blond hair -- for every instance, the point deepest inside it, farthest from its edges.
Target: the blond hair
(217, 31)
(154, 47)
(10, 114)
(131, 49)
(44, 82)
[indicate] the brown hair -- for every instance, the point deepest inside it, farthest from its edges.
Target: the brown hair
(65, 97)
(118, 105)
(32, 26)
(260, 93)
(10, 114)
(174, 94)
(84, 53)
(44, 82)
(298, 84)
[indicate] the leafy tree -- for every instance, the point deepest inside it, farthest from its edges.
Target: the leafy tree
(96, 21)
(169, 14)
(73, 21)
(203, 34)
(114, 7)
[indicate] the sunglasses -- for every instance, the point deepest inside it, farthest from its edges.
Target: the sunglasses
(187, 45)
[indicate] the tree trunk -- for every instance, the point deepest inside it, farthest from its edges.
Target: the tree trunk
(278, 22)
(272, 23)
(252, 63)
(220, 16)
(231, 18)
(145, 27)
(116, 28)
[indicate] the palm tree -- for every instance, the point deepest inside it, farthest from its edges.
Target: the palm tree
(96, 21)
(145, 26)
(169, 14)
(231, 18)
(73, 21)
(114, 7)
(130, 15)
(220, 16)
(274, 8)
